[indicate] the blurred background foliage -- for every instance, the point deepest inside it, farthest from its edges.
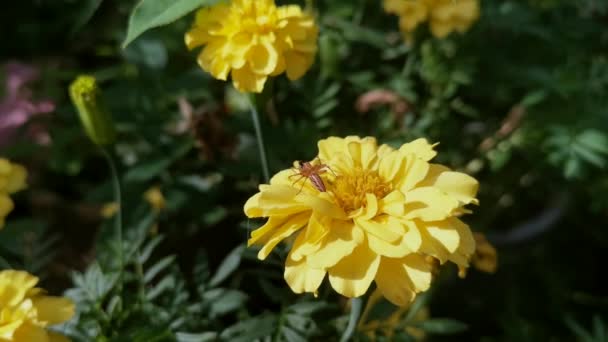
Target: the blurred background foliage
(520, 101)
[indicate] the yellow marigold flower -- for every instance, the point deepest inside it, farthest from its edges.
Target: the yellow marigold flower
(448, 16)
(155, 198)
(444, 16)
(25, 311)
(253, 40)
(384, 210)
(12, 179)
(485, 257)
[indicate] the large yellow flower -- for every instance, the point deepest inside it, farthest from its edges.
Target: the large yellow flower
(253, 40)
(444, 16)
(384, 212)
(25, 311)
(12, 179)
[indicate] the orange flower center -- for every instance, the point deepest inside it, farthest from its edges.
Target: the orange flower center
(350, 189)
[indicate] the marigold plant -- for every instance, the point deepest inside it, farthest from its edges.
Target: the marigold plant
(383, 213)
(254, 40)
(12, 179)
(25, 310)
(444, 16)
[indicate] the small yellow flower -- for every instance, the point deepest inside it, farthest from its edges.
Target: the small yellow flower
(109, 209)
(12, 179)
(252, 40)
(444, 16)
(383, 212)
(25, 311)
(485, 258)
(155, 198)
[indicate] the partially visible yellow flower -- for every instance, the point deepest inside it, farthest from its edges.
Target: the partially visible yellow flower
(383, 212)
(26, 312)
(444, 16)
(388, 326)
(155, 198)
(109, 209)
(485, 258)
(252, 40)
(12, 179)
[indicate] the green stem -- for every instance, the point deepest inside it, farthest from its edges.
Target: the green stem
(358, 18)
(259, 136)
(356, 306)
(118, 216)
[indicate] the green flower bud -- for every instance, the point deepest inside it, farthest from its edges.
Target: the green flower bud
(94, 116)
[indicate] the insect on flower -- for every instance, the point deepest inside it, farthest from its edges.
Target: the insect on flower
(312, 172)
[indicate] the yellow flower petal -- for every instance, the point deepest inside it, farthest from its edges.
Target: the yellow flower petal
(393, 204)
(418, 271)
(458, 185)
(30, 333)
(273, 202)
(380, 229)
(429, 204)
(352, 276)
(53, 310)
(419, 148)
(413, 237)
(381, 247)
(392, 280)
(246, 80)
(276, 230)
(302, 278)
(16, 179)
(466, 249)
(444, 233)
(263, 57)
(391, 166)
(54, 337)
(337, 244)
(6, 205)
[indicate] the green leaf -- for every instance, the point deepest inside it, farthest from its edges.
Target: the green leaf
(229, 301)
(158, 267)
(588, 155)
(154, 13)
(573, 168)
(292, 335)
(307, 308)
(202, 337)
(442, 326)
(251, 329)
(156, 165)
(85, 14)
(594, 139)
(417, 305)
(229, 265)
(147, 250)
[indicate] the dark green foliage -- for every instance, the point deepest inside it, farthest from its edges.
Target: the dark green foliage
(520, 102)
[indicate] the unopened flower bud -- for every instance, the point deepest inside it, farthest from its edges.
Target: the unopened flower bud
(94, 116)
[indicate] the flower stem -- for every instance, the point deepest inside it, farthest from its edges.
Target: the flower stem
(356, 305)
(259, 136)
(118, 216)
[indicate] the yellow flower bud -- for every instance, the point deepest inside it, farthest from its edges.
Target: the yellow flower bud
(94, 116)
